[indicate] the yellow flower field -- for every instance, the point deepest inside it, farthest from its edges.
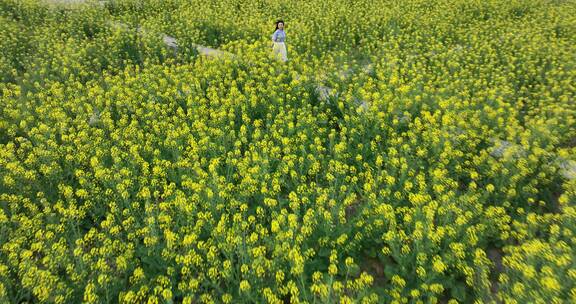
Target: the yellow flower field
(436, 165)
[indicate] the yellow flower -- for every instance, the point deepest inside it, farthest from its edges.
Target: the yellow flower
(227, 298)
(332, 269)
(349, 261)
(550, 283)
(398, 281)
(167, 294)
(244, 286)
(436, 288)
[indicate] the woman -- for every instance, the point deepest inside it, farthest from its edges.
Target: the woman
(278, 47)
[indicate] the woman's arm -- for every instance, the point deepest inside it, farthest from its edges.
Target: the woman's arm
(274, 38)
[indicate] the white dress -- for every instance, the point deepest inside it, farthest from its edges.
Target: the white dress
(279, 48)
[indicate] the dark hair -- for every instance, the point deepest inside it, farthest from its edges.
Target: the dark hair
(278, 22)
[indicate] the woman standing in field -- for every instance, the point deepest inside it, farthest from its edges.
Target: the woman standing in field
(278, 47)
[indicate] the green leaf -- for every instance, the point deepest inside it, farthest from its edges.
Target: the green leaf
(458, 292)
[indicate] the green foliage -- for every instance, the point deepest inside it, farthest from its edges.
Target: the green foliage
(440, 168)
